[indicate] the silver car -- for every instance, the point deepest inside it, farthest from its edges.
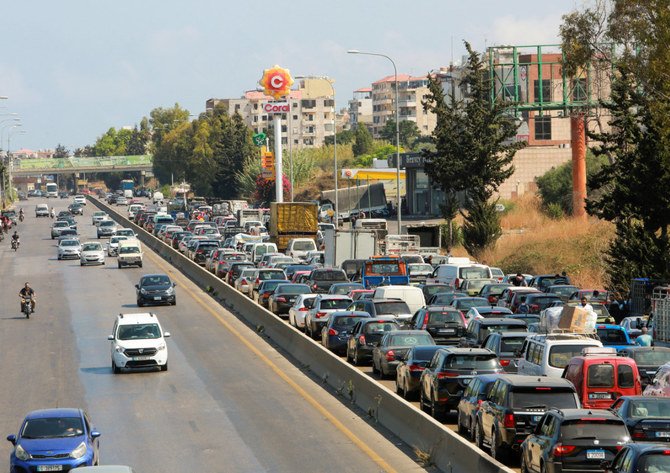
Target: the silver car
(92, 253)
(244, 282)
(113, 245)
(98, 217)
(107, 228)
(69, 248)
(57, 226)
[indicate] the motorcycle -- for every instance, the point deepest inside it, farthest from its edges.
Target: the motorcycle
(27, 306)
(15, 244)
(20, 217)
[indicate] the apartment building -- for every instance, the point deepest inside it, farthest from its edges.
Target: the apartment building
(360, 108)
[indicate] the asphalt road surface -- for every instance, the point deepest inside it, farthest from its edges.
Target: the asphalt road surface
(229, 402)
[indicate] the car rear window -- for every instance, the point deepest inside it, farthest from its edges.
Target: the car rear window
(625, 376)
(600, 429)
(445, 317)
(542, 301)
(411, 340)
(329, 276)
(655, 462)
(652, 407)
(560, 355)
(503, 328)
(271, 275)
(294, 289)
(651, 358)
(391, 308)
(271, 285)
(330, 304)
(347, 322)
(473, 272)
(467, 304)
(542, 397)
(380, 327)
(471, 362)
(304, 246)
(611, 336)
(511, 344)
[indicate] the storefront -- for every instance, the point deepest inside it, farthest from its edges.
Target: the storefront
(422, 199)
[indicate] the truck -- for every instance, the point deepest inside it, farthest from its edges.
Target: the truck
(401, 244)
(385, 270)
(430, 236)
(127, 186)
(246, 215)
(229, 207)
(52, 190)
(291, 220)
(354, 200)
(348, 245)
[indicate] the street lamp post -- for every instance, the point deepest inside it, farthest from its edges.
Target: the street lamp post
(2, 127)
(332, 87)
(397, 128)
(10, 158)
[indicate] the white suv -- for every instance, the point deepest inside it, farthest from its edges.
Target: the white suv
(138, 341)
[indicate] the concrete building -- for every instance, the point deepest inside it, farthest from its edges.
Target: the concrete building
(360, 108)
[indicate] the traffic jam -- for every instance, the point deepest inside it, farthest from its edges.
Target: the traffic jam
(537, 372)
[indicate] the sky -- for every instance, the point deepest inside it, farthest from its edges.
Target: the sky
(71, 69)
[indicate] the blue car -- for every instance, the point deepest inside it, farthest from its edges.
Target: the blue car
(614, 336)
(340, 325)
(54, 440)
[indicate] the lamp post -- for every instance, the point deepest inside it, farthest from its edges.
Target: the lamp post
(397, 127)
(10, 158)
(2, 127)
(332, 88)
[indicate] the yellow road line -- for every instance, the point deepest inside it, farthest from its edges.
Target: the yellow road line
(304, 394)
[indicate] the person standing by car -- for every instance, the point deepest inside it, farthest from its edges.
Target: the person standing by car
(523, 307)
(585, 305)
(518, 280)
(644, 340)
(26, 292)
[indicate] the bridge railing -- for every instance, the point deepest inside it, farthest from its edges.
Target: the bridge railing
(78, 163)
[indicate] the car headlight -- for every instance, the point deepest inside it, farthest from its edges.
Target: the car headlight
(119, 349)
(161, 347)
(21, 454)
(169, 291)
(79, 452)
(143, 291)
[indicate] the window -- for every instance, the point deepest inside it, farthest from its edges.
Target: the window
(543, 127)
(508, 93)
(625, 375)
(328, 103)
(579, 90)
(308, 103)
(601, 376)
(546, 91)
(295, 117)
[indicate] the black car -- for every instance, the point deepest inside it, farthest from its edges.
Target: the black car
(283, 297)
(573, 440)
(429, 290)
(321, 279)
(513, 408)
(445, 324)
(648, 360)
(365, 335)
(340, 325)
(647, 417)
(445, 298)
(344, 288)
(537, 302)
(392, 347)
(408, 371)
(507, 345)
(266, 289)
(478, 389)
(479, 329)
(76, 209)
(448, 374)
(155, 289)
(492, 292)
(640, 458)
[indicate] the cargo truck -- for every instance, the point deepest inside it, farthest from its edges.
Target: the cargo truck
(430, 236)
(343, 245)
(290, 220)
(248, 215)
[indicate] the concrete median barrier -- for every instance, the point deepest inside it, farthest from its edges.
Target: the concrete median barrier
(445, 449)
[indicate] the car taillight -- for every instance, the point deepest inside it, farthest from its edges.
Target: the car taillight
(390, 356)
(315, 287)
(266, 295)
(457, 282)
(560, 449)
(425, 321)
(332, 331)
(534, 307)
(303, 309)
(666, 452)
(258, 281)
(493, 300)
(480, 402)
(280, 299)
(446, 375)
(361, 339)
(638, 434)
(244, 282)
(505, 362)
(509, 421)
(416, 368)
(319, 315)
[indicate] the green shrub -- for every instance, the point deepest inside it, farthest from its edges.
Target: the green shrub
(554, 211)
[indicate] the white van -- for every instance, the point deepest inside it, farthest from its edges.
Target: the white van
(412, 295)
(260, 249)
(454, 273)
(157, 197)
(130, 253)
(300, 247)
(549, 354)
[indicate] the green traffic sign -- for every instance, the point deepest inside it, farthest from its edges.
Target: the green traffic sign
(259, 139)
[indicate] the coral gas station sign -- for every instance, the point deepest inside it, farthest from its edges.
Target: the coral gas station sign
(276, 82)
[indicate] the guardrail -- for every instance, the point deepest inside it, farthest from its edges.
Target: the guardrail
(447, 450)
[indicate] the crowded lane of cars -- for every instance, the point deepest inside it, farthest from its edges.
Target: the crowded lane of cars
(471, 351)
(90, 348)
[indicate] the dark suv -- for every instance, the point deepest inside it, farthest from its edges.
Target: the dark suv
(479, 329)
(448, 374)
(514, 406)
(507, 345)
(445, 324)
(365, 335)
(573, 440)
(537, 302)
(321, 279)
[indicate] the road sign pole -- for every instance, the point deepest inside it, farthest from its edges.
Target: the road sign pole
(279, 189)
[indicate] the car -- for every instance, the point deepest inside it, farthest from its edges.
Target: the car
(138, 341)
(648, 359)
(265, 289)
(298, 311)
(321, 279)
(464, 304)
(263, 274)
(244, 282)
(445, 298)
(408, 371)
(634, 325)
(57, 226)
(335, 334)
(92, 253)
(478, 329)
(235, 268)
(344, 288)
(201, 250)
(477, 390)
(536, 302)
(155, 289)
(615, 336)
(59, 439)
(603, 315)
(647, 417)
(324, 305)
(121, 200)
(113, 244)
(513, 408)
(445, 324)
(549, 354)
(98, 217)
(507, 346)
(543, 281)
(472, 287)
(393, 346)
(69, 248)
(429, 290)
(106, 228)
(419, 272)
(79, 199)
(505, 299)
(129, 253)
(67, 234)
(564, 291)
(365, 335)
(493, 291)
(76, 209)
(383, 307)
(283, 297)
(447, 375)
(487, 312)
(41, 210)
(573, 440)
(128, 232)
(639, 458)
(22, 195)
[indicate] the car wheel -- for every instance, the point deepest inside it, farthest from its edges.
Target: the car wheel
(164, 367)
(115, 369)
(461, 428)
(435, 410)
(140, 265)
(59, 258)
(479, 441)
(355, 359)
(382, 373)
(119, 265)
(140, 303)
(174, 302)
(398, 390)
(81, 264)
(349, 357)
(374, 366)
(406, 392)
(497, 450)
(422, 402)
(543, 469)
(524, 466)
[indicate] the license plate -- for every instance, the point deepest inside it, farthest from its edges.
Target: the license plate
(49, 467)
(157, 298)
(537, 418)
(595, 454)
(665, 435)
(446, 330)
(141, 358)
(600, 396)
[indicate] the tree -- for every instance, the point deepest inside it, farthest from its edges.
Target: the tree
(363, 142)
(474, 149)
(170, 160)
(61, 151)
(344, 137)
(481, 226)
(409, 133)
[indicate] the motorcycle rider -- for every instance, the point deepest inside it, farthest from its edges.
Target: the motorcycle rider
(52, 213)
(26, 292)
(15, 238)
(21, 214)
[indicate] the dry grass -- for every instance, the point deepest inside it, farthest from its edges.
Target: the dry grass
(533, 243)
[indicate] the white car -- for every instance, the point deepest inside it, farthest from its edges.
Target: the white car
(98, 217)
(125, 232)
(324, 305)
(69, 248)
(80, 199)
(92, 253)
(113, 245)
(299, 309)
(244, 282)
(138, 341)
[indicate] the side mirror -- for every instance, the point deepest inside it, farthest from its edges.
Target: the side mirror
(137, 286)
(174, 284)
(110, 337)
(12, 438)
(95, 434)
(166, 334)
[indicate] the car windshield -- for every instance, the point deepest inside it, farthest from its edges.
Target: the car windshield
(129, 249)
(69, 243)
(654, 462)
(391, 308)
(410, 340)
(503, 328)
(586, 428)
(61, 224)
(521, 399)
(53, 427)
(107, 223)
(99, 214)
(419, 268)
(304, 246)
(564, 291)
(651, 357)
(155, 281)
(478, 283)
(473, 272)
(271, 275)
(443, 298)
(294, 289)
(651, 407)
(271, 285)
(332, 304)
(346, 288)
(346, 322)
(471, 362)
(612, 336)
(116, 239)
(560, 355)
(138, 331)
(511, 344)
(445, 317)
(92, 247)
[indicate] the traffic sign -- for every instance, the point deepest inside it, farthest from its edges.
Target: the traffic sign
(268, 160)
(259, 139)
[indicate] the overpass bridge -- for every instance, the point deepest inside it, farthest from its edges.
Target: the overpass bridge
(36, 167)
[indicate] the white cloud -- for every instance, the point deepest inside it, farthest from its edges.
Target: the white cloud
(513, 30)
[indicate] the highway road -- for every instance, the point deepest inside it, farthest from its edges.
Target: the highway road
(229, 402)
